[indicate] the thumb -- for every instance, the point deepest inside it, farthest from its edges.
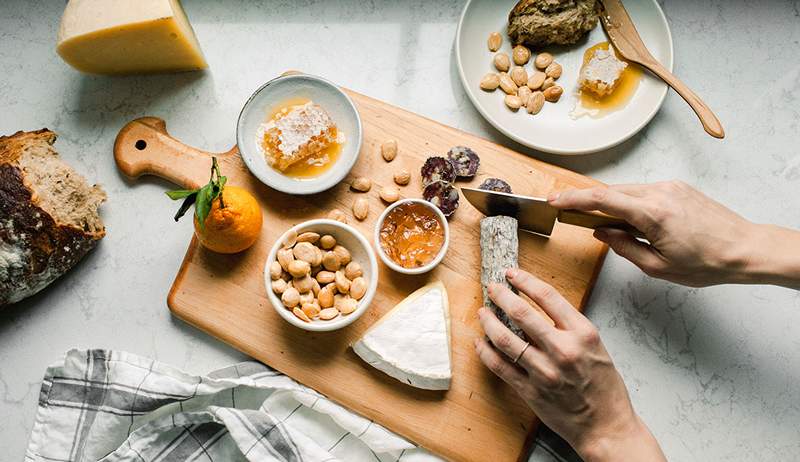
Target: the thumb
(628, 247)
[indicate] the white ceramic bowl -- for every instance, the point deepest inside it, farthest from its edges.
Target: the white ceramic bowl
(422, 269)
(361, 252)
(272, 94)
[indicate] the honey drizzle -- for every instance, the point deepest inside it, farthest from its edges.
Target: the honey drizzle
(595, 106)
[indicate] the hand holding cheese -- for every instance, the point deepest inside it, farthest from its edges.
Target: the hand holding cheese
(128, 37)
(412, 341)
(565, 374)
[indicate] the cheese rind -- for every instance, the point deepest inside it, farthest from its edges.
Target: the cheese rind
(412, 341)
(128, 37)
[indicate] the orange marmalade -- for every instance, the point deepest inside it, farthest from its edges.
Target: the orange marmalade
(412, 235)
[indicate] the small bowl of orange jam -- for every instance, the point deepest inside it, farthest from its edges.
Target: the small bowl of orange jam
(411, 236)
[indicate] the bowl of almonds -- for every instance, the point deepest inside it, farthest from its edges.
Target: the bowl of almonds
(321, 275)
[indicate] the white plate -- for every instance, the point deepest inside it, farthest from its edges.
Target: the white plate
(320, 91)
(553, 130)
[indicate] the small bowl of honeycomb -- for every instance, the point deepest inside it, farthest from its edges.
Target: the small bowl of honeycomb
(299, 134)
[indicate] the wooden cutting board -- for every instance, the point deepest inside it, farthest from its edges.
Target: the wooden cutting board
(479, 418)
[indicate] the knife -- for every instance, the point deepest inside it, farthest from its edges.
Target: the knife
(537, 215)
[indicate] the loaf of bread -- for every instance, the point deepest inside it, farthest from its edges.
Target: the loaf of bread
(48, 215)
(538, 23)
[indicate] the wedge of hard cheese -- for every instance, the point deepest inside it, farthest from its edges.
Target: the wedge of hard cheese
(412, 341)
(128, 37)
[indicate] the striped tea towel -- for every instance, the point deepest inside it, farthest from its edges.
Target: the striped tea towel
(116, 406)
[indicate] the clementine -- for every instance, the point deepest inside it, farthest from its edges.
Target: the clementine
(233, 223)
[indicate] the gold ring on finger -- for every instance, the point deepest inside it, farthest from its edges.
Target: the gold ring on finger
(527, 344)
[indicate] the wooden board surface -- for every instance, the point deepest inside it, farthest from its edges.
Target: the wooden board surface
(479, 418)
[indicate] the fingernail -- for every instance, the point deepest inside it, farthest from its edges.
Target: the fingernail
(553, 196)
(511, 273)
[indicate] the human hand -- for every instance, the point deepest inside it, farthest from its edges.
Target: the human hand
(694, 240)
(565, 375)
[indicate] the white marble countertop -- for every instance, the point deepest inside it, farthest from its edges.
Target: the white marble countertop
(713, 372)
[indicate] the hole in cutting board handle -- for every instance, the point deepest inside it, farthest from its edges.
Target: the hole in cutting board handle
(141, 145)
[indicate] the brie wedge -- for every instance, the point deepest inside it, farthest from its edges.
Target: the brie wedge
(412, 341)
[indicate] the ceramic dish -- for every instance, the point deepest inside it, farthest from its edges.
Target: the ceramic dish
(391, 263)
(553, 130)
(275, 92)
(361, 252)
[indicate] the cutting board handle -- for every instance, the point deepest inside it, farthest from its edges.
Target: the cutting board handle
(143, 147)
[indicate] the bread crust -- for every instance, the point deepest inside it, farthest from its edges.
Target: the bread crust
(34, 248)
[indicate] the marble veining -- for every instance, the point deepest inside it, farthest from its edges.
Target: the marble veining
(714, 372)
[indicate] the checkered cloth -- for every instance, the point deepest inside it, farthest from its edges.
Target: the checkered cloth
(115, 406)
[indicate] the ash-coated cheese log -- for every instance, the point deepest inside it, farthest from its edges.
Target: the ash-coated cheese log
(499, 251)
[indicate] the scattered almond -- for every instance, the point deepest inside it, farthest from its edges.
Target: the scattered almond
(308, 236)
(290, 297)
(524, 94)
(346, 305)
(553, 70)
(521, 54)
(328, 313)
(327, 242)
(352, 270)
(390, 194)
(548, 82)
(299, 268)
(535, 102)
(300, 314)
(325, 277)
(342, 283)
(513, 102)
(495, 41)
(519, 75)
(501, 62)
(343, 254)
(362, 184)
(389, 150)
(490, 81)
(275, 270)
(358, 287)
(403, 177)
(331, 261)
(536, 80)
(360, 209)
(543, 60)
(507, 84)
(553, 93)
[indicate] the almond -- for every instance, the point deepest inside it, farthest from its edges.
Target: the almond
(495, 41)
(490, 81)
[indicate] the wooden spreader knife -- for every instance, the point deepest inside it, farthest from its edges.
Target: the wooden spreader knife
(626, 40)
(537, 215)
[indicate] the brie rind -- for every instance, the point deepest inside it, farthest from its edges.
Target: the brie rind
(412, 341)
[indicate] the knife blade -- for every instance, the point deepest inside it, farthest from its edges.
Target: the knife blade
(536, 215)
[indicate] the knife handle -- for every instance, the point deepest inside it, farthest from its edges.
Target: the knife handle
(594, 220)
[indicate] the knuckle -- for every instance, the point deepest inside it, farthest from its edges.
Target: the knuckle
(544, 292)
(567, 355)
(496, 366)
(503, 341)
(550, 378)
(590, 336)
(519, 312)
(599, 195)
